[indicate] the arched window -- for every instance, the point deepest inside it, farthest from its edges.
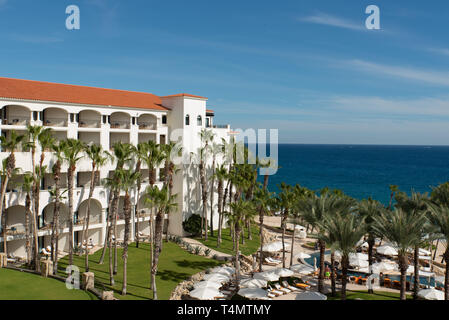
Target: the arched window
(187, 120)
(199, 121)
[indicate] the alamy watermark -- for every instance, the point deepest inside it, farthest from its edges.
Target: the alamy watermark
(73, 279)
(73, 21)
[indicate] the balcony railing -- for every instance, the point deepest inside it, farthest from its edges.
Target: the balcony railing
(116, 124)
(16, 121)
(55, 122)
(147, 125)
(219, 126)
(89, 124)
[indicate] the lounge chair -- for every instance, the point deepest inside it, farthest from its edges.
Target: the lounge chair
(280, 288)
(269, 259)
(269, 263)
(387, 283)
(275, 292)
(271, 295)
(288, 286)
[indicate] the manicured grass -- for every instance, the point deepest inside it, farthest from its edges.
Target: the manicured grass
(250, 246)
(16, 285)
(364, 295)
(175, 266)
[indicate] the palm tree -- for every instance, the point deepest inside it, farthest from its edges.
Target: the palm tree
(207, 137)
(98, 159)
(141, 152)
(163, 202)
(393, 190)
(344, 230)
(263, 200)
(416, 203)
(127, 180)
(284, 203)
(221, 175)
(439, 217)
(56, 172)
(72, 150)
(368, 209)
(400, 228)
(216, 149)
(27, 186)
(8, 166)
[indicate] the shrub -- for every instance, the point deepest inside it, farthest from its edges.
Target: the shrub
(193, 225)
(214, 257)
(197, 250)
(207, 252)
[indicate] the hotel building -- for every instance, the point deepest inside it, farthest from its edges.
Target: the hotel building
(104, 117)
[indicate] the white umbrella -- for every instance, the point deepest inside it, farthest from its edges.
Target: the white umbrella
(383, 266)
(254, 293)
(310, 295)
(207, 284)
(302, 269)
(267, 275)
(387, 251)
(253, 283)
(431, 294)
(224, 270)
(282, 272)
(359, 256)
(302, 255)
(424, 252)
(357, 261)
(271, 247)
(205, 293)
(217, 277)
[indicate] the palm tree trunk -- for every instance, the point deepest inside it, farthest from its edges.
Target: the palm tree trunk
(108, 228)
(446, 274)
(220, 210)
(371, 242)
(115, 208)
(157, 249)
(204, 197)
(261, 218)
(212, 198)
(416, 275)
(283, 238)
(322, 245)
(70, 187)
(237, 253)
(403, 270)
(27, 228)
(293, 245)
(333, 285)
(344, 272)
(91, 192)
(3, 194)
(36, 245)
(127, 209)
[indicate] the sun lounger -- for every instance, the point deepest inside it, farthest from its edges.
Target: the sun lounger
(270, 259)
(278, 287)
(288, 286)
(271, 295)
(274, 291)
(269, 263)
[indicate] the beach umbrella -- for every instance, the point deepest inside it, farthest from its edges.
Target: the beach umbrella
(253, 283)
(207, 284)
(356, 260)
(229, 271)
(310, 295)
(358, 255)
(205, 293)
(387, 250)
(302, 256)
(383, 266)
(300, 228)
(431, 294)
(282, 272)
(217, 277)
(424, 252)
(267, 275)
(253, 293)
(302, 269)
(271, 247)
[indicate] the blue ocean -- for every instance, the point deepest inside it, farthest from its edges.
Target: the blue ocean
(362, 171)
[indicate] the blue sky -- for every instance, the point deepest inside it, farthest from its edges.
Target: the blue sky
(307, 68)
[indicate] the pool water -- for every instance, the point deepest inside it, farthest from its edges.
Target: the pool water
(422, 279)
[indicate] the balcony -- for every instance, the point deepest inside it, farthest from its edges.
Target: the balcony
(147, 125)
(55, 122)
(89, 124)
(16, 121)
(117, 124)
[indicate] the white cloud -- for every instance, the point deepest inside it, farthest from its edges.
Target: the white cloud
(334, 21)
(409, 73)
(442, 51)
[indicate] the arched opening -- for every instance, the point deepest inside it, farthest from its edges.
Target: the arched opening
(46, 218)
(199, 121)
(120, 120)
(89, 119)
(55, 117)
(15, 221)
(187, 120)
(15, 115)
(147, 122)
(95, 212)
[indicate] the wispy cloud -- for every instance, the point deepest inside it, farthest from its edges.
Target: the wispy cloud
(441, 51)
(35, 39)
(440, 78)
(334, 21)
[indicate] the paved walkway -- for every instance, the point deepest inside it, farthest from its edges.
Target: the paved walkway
(196, 243)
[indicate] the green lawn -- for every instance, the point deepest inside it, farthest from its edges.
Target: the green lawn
(364, 295)
(175, 266)
(16, 285)
(250, 246)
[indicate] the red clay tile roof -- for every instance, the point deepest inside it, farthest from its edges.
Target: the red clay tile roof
(55, 92)
(209, 111)
(184, 95)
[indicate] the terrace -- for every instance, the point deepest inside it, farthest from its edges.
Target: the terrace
(120, 120)
(147, 122)
(55, 117)
(15, 115)
(89, 119)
